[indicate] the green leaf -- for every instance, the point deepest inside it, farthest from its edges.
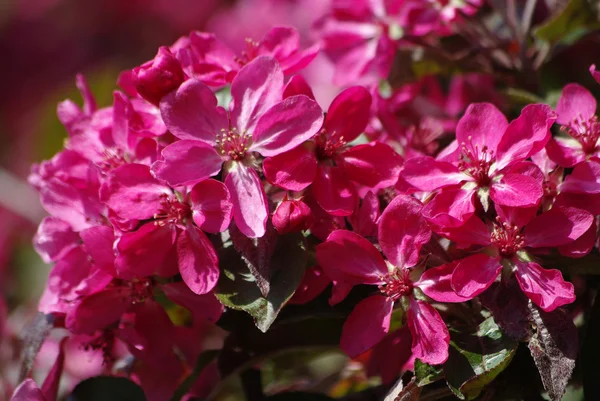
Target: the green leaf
(204, 359)
(107, 388)
(237, 288)
(426, 374)
(477, 355)
(569, 23)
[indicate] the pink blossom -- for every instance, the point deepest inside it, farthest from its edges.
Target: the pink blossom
(576, 110)
(330, 164)
(349, 258)
(158, 77)
(259, 122)
(291, 216)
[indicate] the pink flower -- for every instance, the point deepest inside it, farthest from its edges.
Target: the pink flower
(488, 160)
(349, 258)
(330, 165)
(259, 122)
(508, 242)
(158, 77)
(291, 216)
(434, 16)
(576, 110)
(133, 194)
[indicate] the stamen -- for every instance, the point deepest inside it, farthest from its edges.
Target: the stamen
(232, 144)
(476, 162)
(507, 237)
(396, 284)
(585, 131)
(329, 144)
(171, 211)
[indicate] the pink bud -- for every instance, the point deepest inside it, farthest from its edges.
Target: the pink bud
(155, 78)
(292, 216)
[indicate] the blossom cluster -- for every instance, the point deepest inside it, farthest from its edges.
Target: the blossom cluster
(424, 197)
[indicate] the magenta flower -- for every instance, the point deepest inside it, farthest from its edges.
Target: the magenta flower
(259, 122)
(576, 110)
(133, 194)
(330, 164)
(488, 158)
(509, 242)
(347, 257)
(157, 77)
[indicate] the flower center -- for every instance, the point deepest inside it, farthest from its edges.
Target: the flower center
(232, 144)
(141, 289)
(103, 343)
(507, 238)
(249, 54)
(476, 162)
(586, 132)
(328, 145)
(396, 284)
(171, 211)
(112, 158)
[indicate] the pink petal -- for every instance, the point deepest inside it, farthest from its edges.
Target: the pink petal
(546, 288)
(526, 135)
(99, 242)
(333, 192)
(582, 245)
(558, 226)
(292, 216)
(54, 239)
(198, 261)
(517, 190)
(471, 232)
(364, 219)
(191, 113)
(99, 310)
(482, 125)
(348, 257)
(313, 283)
(349, 113)
(430, 335)
(300, 59)
(575, 102)
(187, 162)
(474, 274)
(141, 252)
(286, 125)
(565, 152)
(250, 207)
(366, 325)
(28, 391)
(403, 231)
(427, 174)
(585, 179)
(203, 307)
(211, 206)
(132, 192)
(297, 85)
(436, 283)
(595, 73)
(339, 292)
(52, 380)
(280, 42)
(398, 344)
(451, 207)
(374, 164)
(254, 90)
(293, 170)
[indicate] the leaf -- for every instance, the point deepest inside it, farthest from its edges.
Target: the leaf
(237, 288)
(107, 388)
(554, 349)
(204, 359)
(257, 253)
(299, 396)
(590, 354)
(35, 334)
(508, 305)
(477, 355)
(574, 18)
(426, 374)
(400, 392)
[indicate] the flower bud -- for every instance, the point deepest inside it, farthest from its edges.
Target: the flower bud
(157, 77)
(292, 216)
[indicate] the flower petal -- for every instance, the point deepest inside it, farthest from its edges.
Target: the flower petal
(254, 90)
(558, 226)
(99, 242)
(250, 207)
(427, 174)
(474, 274)
(191, 112)
(575, 102)
(349, 113)
(286, 125)
(198, 263)
(203, 307)
(374, 164)
(54, 239)
(517, 190)
(451, 207)
(313, 283)
(186, 163)
(297, 85)
(436, 283)
(141, 252)
(348, 257)
(293, 170)
(585, 179)
(28, 391)
(333, 192)
(546, 288)
(367, 325)
(566, 152)
(211, 206)
(481, 125)
(430, 335)
(99, 310)
(403, 231)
